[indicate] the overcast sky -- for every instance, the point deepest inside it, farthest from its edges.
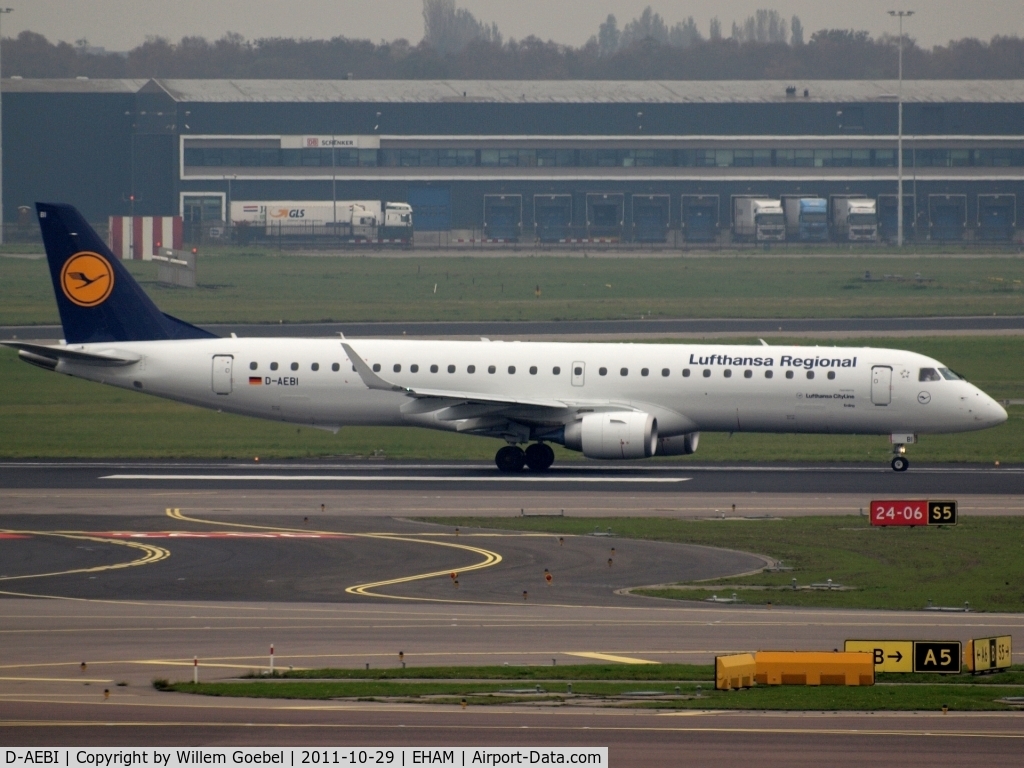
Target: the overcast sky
(122, 24)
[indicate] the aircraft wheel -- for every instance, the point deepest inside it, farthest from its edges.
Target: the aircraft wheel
(510, 459)
(539, 457)
(900, 463)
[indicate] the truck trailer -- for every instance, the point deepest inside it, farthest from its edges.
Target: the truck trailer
(758, 219)
(359, 219)
(854, 219)
(806, 218)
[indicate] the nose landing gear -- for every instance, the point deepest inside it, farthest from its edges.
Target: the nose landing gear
(511, 458)
(899, 461)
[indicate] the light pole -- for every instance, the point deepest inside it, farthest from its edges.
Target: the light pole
(899, 136)
(2, 12)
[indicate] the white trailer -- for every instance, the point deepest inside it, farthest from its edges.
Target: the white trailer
(855, 219)
(364, 219)
(758, 219)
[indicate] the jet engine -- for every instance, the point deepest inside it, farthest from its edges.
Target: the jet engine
(678, 445)
(614, 435)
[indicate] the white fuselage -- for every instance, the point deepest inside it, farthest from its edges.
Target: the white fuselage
(687, 387)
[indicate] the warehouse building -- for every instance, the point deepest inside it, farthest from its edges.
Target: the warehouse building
(643, 162)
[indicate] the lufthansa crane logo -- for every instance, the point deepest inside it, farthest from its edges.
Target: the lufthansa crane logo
(87, 279)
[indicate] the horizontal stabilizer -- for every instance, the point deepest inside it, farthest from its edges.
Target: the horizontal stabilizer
(38, 353)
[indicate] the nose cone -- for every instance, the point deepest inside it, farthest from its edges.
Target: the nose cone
(986, 411)
(996, 413)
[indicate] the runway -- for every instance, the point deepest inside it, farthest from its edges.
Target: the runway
(676, 478)
(137, 594)
(891, 326)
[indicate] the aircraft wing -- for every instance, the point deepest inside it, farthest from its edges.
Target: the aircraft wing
(373, 381)
(47, 356)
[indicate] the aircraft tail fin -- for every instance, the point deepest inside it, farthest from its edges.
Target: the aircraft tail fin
(97, 297)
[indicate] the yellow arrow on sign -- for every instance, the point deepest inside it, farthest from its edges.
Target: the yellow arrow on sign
(890, 655)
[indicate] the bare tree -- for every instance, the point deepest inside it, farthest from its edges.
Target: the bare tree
(796, 32)
(684, 34)
(647, 26)
(608, 36)
(715, 32)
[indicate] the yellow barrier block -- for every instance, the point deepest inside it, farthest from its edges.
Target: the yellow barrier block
(735, 671)
(814, 668)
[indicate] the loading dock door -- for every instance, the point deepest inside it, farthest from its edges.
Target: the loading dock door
(431, 208)
(222, 365)
(552, 216)
(947, 215)
(606, 214)
(881, 385)
(888, 217)
(503, 217)
(650, 218)
(996, 217)
(700, 218)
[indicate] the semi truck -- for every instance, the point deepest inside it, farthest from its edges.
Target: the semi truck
(854, 219)
(806, 218)
(758, 219)
(360, 219)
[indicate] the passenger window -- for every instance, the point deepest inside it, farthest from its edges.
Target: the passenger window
(747, 374)
(335, 367)
(451, 369)
(928, 374)
(491, 369)
(511, 369)
(533, 370)
(686, 373)
(768, 374)
(602, 371)
(273, 366)
(414, 368)
(664, 372)
(376, 367)
(315, 366)
(707, 373)
(831, 374)
(789, 374)
(471, 369)
(624, 372)
(556, 371)
(644, 371)
(397, 368)
(252, 366)
(295, 366)
(433, 369)
(728, 373)
(810, 374)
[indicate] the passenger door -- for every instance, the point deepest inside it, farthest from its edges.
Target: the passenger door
(222, 365)
(579, 370)
(881, 385)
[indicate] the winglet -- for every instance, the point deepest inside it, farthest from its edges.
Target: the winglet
(370, 379)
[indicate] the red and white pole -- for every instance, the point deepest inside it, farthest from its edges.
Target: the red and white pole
(271, 658)
(195, 670)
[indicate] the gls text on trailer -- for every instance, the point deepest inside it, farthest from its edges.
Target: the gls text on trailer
(358, 219)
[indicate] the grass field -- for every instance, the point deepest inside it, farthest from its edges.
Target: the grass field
(675, 686)
(47, 415)
(980, 561)
(236, 286)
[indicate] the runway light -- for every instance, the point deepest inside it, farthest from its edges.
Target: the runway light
(463, 703)
(106, 695)
(525, 594)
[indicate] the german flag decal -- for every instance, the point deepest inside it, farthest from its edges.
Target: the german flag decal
(256, 380)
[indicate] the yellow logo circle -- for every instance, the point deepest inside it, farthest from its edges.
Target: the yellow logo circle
(87, 279)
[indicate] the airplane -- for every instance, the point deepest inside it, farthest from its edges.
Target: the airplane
(606, 400)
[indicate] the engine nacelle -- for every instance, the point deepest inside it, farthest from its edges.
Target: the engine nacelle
(614, 435)
(678, 445)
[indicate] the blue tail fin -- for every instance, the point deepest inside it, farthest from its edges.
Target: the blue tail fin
(98, 299)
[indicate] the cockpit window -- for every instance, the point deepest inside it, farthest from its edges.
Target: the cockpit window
(928, 374)
(950, 375)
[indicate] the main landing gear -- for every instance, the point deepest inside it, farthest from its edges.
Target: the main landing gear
(899, 461)
(538, 457)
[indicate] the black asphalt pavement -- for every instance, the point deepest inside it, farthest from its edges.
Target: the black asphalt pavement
(628, 477)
